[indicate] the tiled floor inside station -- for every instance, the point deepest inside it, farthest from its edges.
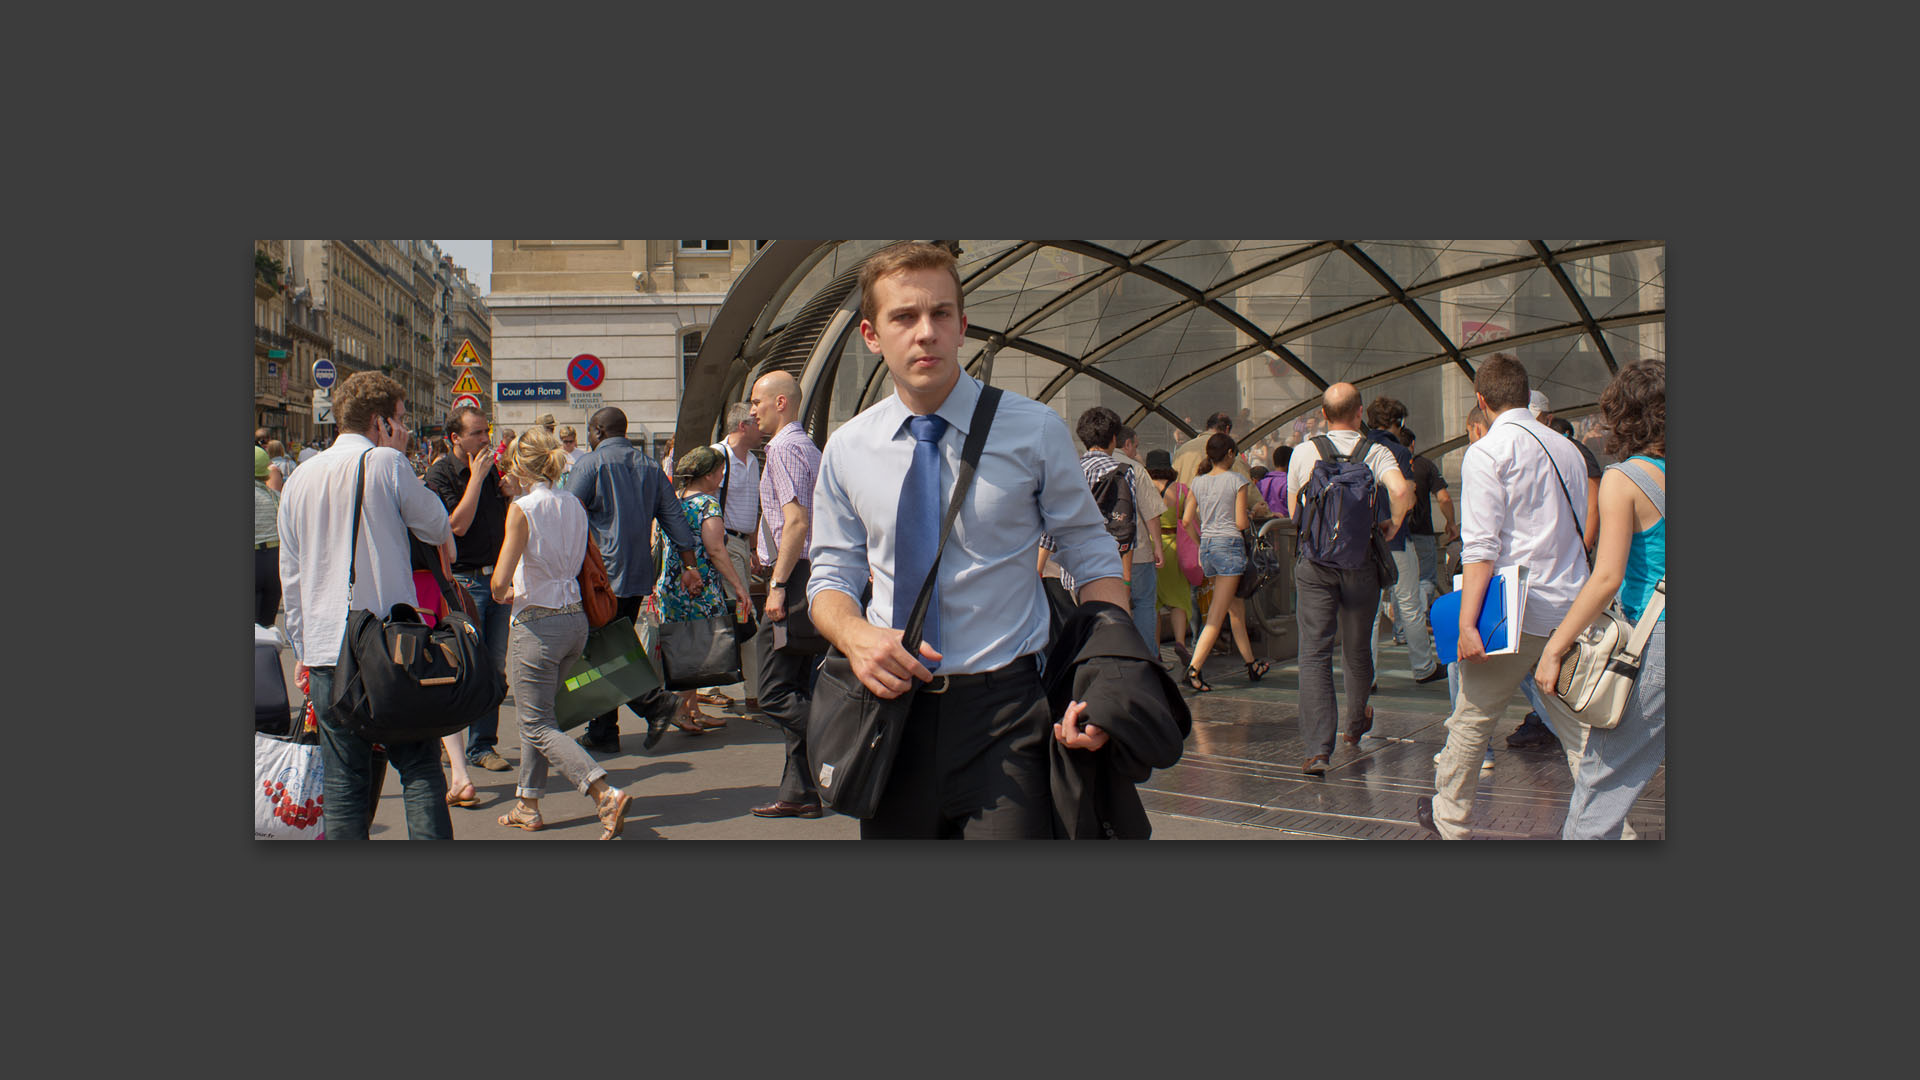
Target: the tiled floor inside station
(1242, 764)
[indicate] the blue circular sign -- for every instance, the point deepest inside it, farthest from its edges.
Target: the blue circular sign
(323, 373)
(586, 372)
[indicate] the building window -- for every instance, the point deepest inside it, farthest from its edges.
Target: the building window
(689, 351)
(709, 247)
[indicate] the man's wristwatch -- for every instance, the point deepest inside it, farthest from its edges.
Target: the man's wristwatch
(781, 585)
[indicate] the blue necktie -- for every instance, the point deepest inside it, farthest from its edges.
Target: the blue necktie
(919, 530)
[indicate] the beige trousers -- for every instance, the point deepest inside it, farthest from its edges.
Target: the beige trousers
(1486, 689)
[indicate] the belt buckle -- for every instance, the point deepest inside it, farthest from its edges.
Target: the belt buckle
(943, 682)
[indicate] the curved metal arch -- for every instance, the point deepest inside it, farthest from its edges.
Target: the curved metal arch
(1385, 280)
(1195, 299)
(1579, 304)
(702, 399)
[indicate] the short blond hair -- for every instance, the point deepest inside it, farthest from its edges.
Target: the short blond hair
(902, 257)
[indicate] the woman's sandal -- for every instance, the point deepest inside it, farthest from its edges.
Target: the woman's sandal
(529, 821)
(1195, 682)
(688, 718)
(613, 812)
(464, 796)
(1258, 670)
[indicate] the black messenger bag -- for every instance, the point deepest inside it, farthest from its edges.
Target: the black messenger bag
(399, 680)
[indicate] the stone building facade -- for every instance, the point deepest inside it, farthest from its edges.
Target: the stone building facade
(638, 306)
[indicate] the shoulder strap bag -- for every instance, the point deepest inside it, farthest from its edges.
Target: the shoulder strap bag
(398, 680)
(1598, 670)
(852, 733)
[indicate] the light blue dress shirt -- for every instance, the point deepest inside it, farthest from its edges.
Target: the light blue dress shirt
(993, 609)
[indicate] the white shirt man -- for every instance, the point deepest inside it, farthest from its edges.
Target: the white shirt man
(319, 534)
(740, 513)
(1516, 485)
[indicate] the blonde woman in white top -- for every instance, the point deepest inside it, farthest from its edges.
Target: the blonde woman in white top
(537, 572)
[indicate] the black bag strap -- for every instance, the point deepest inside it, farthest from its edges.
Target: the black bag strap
(983, 412)
(1554, 468)
(359, 498)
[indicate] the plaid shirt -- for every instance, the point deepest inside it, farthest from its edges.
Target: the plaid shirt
(793, 463)
(1097, 464)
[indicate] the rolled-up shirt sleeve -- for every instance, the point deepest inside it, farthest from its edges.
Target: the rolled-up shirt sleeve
(837, 542)
(1067, 510)
(1483, 509)
(422, 510)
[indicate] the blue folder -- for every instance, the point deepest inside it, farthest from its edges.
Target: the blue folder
(1445, 620)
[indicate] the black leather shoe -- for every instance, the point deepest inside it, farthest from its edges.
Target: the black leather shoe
(1423, 812)
(1439, 672)
(656, 727)
(1316, 765)
(608, 745)
(1532, 735)
(787, 809)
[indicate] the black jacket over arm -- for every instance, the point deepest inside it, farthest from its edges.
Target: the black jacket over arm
(1098, 657)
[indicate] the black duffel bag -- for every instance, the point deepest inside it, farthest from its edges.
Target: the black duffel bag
(854, 734)
(399, 680)
(798, 634)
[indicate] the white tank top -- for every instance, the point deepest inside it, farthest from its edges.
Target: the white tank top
(549, 571)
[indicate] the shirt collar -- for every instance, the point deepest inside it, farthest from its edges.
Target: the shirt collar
(1516, 415)
(354, 441)
(957, 410)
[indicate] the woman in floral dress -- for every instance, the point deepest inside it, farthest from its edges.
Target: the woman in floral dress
(697, 475)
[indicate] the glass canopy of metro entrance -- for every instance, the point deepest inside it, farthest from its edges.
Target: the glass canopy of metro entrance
(1168, 332)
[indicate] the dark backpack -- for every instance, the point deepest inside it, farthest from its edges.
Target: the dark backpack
(1263, 564)
(1338, 507)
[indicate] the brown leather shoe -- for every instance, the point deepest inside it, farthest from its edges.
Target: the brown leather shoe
(1316, 765)
(1356, 732)
(787, 809)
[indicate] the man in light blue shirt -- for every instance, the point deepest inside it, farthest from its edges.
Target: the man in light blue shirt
(973, 759)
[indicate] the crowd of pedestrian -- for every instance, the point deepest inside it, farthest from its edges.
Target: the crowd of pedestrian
(834, 547)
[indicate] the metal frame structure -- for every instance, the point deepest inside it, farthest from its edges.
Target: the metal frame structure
(759, 327)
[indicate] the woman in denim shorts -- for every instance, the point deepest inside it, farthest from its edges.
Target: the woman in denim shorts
(1218, 512)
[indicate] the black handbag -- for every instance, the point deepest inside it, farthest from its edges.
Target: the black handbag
(399, 680)
(853, 734)
(699, 652)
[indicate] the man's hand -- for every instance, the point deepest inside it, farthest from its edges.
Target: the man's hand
(690, 580)
(1471, 650)
(1159, 556)
(881, 663)
(480, 463)
(776, 608)
(1068, 732)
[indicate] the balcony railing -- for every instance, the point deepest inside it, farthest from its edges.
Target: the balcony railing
(270, 339)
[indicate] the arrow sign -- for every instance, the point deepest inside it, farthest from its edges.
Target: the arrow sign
(586, 372)
(466, 384)
(466, 357)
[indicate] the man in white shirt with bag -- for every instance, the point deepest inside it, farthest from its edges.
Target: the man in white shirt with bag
(1516, 509)
(317, 527)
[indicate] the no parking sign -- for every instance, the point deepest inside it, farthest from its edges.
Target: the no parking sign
(586, 372)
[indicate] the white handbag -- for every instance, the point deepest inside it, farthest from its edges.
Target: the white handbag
(1598, 669)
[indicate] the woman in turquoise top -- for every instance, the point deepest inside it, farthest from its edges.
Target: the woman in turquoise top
(698, 475)
(1629, 560)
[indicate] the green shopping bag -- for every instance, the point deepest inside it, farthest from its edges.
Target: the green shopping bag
(613, 670)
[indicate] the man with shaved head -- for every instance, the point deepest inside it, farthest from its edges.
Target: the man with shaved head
(1336, 599)
(786, 523)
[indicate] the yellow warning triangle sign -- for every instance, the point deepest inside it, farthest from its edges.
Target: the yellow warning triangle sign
(466, 357)
(466, 384)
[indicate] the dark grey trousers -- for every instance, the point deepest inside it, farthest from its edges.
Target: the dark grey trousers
(1332, 601)
(786, 696)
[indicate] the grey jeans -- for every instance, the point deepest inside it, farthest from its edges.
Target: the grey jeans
(1342, 603)
(536, 651)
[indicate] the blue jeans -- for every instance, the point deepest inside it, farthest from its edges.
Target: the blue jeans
(348, 761)
(1146, 617)
(484, 733)
(1620, 761)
